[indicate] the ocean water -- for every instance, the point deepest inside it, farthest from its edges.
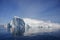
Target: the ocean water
(8, 36)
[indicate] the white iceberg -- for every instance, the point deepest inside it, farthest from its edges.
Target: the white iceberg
(16, 26)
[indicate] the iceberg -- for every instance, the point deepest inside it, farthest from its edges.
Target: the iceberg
(28, 27)
(16, 26)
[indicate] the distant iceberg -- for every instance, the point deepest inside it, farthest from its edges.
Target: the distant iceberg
(28, 26)
(16, 26)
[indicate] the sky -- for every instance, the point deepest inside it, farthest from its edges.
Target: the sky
(48, 10)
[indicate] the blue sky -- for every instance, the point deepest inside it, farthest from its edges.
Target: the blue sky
(37, 9)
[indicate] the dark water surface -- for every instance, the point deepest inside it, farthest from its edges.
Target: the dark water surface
(38, 37)
(8, 36)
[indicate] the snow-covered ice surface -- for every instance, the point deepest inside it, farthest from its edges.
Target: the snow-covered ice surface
(34, 26)
(16, 26)
(31, 27)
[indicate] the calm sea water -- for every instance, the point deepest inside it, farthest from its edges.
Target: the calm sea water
(8, 36)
